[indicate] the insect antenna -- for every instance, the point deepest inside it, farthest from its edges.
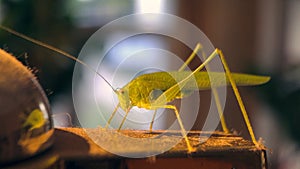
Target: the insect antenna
(37, 42)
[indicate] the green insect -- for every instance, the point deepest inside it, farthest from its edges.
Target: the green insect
(34, 120)
(142, 91)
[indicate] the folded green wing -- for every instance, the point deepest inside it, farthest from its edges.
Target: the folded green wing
(206, 80)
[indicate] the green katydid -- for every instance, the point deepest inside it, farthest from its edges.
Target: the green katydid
(174, 85)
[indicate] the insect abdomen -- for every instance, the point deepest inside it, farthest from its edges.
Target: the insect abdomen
(165, 80)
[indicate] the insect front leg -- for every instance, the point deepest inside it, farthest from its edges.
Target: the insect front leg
(112, 115)
(124, 118)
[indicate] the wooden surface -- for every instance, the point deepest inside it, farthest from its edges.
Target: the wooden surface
(74, 149)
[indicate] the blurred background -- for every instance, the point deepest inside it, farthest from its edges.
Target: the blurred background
(259, 37)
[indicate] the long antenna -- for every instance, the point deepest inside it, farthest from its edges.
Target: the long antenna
(37, 42)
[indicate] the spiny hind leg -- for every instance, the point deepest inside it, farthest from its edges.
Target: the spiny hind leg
(191, 57)
(173, 91)
(112, 115)
(183, 131)
(199, 47)
(238, 97)
(216, 97)
(152, 121)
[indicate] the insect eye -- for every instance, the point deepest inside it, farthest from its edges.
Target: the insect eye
(121, 91)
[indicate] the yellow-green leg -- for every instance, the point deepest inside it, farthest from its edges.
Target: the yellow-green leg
(238, 97)
(216, 98)
(185, 64)
(111, 116)
(124, 118)
(160, 102)
(214, 90)
(152, 121)
(183, 131)
(190, 58)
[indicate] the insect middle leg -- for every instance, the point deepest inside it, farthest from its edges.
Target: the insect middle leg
(183, 131)
(152, 121)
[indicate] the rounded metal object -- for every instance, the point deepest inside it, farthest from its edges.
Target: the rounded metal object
(26, 127)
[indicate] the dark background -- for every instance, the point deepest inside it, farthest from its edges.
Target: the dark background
(256, 37)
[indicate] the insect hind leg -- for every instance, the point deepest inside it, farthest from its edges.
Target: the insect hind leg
(238, 97)
(199, 47)
(216, 95)
(191, 57)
